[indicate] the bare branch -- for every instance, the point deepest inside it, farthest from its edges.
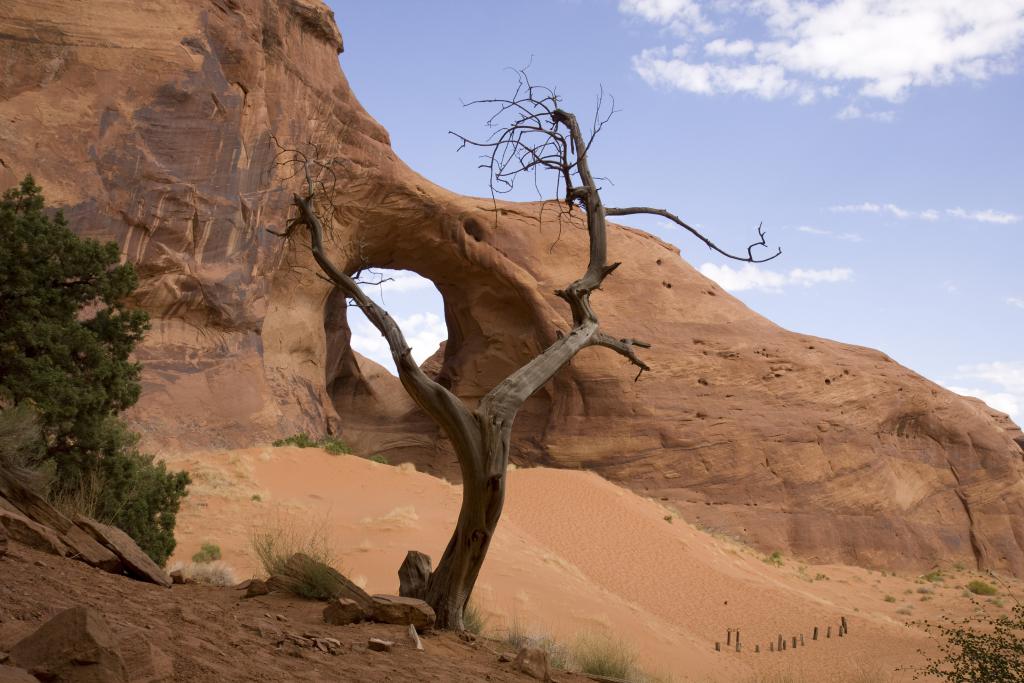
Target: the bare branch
(749, 258)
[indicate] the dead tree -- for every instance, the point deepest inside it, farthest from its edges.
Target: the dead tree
(532, 134)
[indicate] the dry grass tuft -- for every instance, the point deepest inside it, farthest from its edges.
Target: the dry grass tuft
(209, 573)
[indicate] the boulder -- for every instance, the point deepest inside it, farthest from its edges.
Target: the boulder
(533, 662)
(342, 611)
(413, 575)
(75, 646)
(333, 582)
(256, 587)
(80, 545)
(83, 547)
(393, 609)
(177, 577)
(137, 564)
(11, 674)
(23, 530)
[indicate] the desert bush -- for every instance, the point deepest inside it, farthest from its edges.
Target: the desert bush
(208, 552)
(979, 587)
(65, 350)
(934, 576)
(214, 573)
(278, 542)
(603, 655)
(775, 559)
(379, 458)
(978, 649)
(331, 444)
(889, 598)
(302, 440)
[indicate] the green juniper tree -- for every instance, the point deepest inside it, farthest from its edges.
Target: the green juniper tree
(65, 340)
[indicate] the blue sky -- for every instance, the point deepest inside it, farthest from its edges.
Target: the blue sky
(880, 142)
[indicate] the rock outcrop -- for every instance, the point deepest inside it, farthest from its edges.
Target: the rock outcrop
(76, 645)
(26, 517)
(161, 140)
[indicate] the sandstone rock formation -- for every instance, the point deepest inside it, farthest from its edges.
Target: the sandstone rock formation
(76, 645)
(28, 519)
(161, 139)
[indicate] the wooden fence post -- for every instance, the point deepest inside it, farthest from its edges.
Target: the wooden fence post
(814, 636)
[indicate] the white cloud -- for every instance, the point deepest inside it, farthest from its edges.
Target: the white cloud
(869, 48)
(423, 331)
(753, 276)
(986, 216)
(682, 16)
(1006, 382)
(657, 67)
(891, 209)
(852, 111)
(1015, 301)
(845, 236)
(724, 48)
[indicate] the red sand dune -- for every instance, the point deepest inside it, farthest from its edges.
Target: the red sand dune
(573, 554)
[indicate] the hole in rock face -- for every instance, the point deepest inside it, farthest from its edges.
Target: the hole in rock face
(415, 304)
(474, 229)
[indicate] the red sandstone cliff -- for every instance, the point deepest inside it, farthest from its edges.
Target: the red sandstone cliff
(150, 123)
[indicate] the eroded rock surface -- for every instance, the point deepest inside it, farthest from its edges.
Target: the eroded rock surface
(161, 139)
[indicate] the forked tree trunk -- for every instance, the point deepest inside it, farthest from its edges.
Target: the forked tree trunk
(481, 437)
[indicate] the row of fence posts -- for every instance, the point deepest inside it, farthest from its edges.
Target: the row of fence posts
(732, 639)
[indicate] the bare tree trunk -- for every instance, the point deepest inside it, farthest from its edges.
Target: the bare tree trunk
(481, 437)
(483, 497)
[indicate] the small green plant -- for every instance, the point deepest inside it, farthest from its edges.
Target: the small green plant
(256, 498)
(474, 618)
(379, 459)
(775, 559)
(329, 443)
(334, 445)
(934, 576)
(889, 598)
(820, 577)
(668, 518)
(302, 440)
(208, 552)
(979, 587)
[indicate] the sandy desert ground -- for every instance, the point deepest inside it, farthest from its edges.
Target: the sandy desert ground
(575, 554)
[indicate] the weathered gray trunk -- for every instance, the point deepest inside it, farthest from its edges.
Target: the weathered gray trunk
(483, 496)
